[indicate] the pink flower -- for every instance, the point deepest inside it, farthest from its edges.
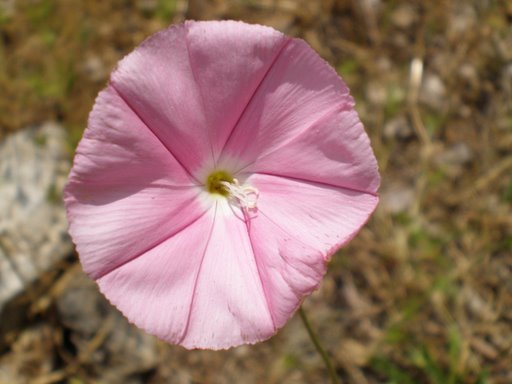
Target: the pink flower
(221, 168)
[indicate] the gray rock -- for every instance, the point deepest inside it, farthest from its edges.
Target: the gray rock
(147, 5)
(33, 227)
(94, 68)
(398, 128)
(31, 355)
(397, 198)
(404, 16)
(7, 7)
(376, 93)
(433, 92)
(463, 18)
(119, 349)
(453, 160)
(507, 78)
(458, 154)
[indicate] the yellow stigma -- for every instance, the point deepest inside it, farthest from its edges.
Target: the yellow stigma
(222, 183)
(216, 183)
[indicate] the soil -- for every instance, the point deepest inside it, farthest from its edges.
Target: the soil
(422, 295)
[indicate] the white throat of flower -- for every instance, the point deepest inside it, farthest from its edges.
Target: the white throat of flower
(246, 195)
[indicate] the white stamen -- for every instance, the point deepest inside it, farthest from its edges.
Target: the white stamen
(246, 195)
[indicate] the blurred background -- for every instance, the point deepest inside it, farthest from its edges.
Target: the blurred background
(422, 295)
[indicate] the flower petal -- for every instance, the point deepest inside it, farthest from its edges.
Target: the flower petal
(125, 190)
(303, 108)
(298, 89)
(319, 216)
(230, 306)
(157, 82)
(335, 150)
(195, 289)
(155, 291)
(228, 69)
(297, 227)
(289, 268)
(189, 267)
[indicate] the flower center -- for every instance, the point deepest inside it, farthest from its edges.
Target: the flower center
(222, 183)
(215, 181)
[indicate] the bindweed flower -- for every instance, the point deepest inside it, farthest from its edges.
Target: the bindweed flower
(221, 168)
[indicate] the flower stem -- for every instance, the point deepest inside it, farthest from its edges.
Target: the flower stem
(318, 346)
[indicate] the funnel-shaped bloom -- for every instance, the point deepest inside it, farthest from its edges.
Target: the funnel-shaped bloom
(221, 168)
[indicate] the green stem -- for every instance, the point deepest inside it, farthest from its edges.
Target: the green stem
(318, 346)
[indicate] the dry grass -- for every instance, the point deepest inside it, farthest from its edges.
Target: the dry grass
(423, 294)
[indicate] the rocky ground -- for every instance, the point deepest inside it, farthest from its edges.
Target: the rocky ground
(422, 295)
